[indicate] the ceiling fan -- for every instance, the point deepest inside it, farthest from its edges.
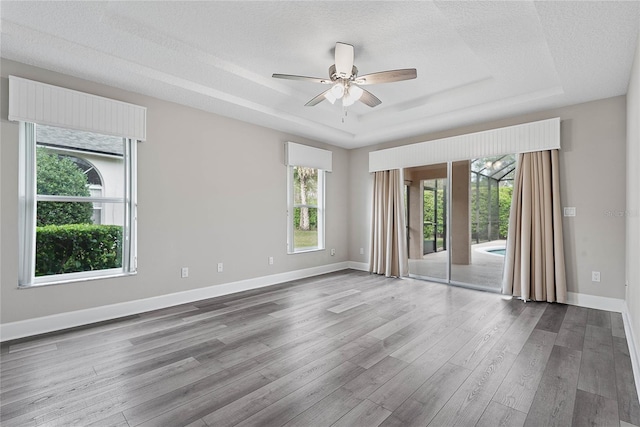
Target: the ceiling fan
(345, 82)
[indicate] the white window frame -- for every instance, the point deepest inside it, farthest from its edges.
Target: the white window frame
(291, 205)
(28, 199)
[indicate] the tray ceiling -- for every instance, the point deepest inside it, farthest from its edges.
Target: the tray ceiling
(476, 61)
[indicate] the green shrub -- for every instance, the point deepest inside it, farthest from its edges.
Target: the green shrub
(77, 247)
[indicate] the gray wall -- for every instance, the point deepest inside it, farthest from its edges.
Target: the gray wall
(592, 162)
(210, 189)
(633, 200)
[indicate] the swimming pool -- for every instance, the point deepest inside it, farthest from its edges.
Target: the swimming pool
(502, 252)
(493, 250)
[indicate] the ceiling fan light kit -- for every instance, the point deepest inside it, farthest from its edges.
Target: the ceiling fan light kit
(353, 94)
(343, 76)
(338, 90)
(347, 92)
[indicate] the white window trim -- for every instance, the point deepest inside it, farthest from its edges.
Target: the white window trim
(26, 204)
(27, 216)
(291, 208)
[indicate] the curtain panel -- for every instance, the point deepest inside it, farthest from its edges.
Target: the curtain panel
(388, 234)
(534, 262)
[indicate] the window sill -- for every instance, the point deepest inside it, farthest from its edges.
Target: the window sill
(303, 251)
(75, 278)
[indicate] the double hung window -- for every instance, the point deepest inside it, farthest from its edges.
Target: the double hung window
(77, 208)
(307, 167)
(77, 183)
(306, 207)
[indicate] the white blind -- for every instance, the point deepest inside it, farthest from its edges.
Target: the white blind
(311, 157)
(528, 137)
(40, 103)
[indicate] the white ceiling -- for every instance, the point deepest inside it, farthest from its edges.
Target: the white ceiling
(476, 61)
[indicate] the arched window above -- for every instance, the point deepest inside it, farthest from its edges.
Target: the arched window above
(92, 174)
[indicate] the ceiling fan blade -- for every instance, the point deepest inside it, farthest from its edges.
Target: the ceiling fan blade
(344, 59)
(304, 78)
(317, 100)
(369, 99)
(387, 76)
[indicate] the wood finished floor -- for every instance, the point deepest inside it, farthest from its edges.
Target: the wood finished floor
(343, 349)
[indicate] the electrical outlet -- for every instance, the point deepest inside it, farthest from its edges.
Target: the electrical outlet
(361, 251)
(270, 260)
(184, 272)
(595, 276)
(333, 252)
(219, 267)
(569, 211)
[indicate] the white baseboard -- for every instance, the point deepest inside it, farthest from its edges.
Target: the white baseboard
(362, 266)
(632, 343)
(593, 301)
(56, 322)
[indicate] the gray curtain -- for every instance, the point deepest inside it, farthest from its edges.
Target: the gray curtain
(388, 234)
(534, 263)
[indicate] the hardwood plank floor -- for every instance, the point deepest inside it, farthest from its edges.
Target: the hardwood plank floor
(341, 349)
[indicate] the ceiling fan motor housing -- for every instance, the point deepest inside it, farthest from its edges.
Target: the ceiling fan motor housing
(333, 74)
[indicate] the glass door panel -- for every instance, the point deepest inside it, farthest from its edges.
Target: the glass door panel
(428, 257)
(480, 199)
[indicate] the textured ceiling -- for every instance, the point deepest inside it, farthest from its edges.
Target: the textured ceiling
(476, 61)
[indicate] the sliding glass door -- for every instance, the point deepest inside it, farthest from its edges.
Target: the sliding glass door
(428, 222)
(457, 232)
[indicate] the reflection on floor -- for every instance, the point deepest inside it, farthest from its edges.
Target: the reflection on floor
(485, 269)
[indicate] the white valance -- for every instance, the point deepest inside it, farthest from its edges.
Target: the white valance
(525, 138)
(311, 157)
(40, 103)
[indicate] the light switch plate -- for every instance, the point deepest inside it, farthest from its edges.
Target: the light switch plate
(570, 211)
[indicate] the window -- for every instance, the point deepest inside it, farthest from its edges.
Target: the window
(306, 209)
(307, 167)
(77, 186)
(77, 205)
